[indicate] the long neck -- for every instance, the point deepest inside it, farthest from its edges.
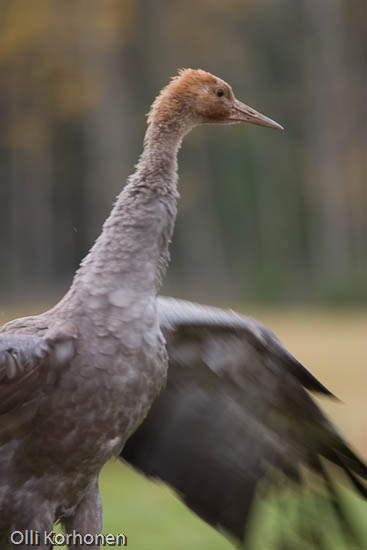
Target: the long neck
(130, 255)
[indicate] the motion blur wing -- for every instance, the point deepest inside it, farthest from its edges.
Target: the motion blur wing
(235, 412)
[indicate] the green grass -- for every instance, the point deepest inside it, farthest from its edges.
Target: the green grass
(150, 515)
(153, 518)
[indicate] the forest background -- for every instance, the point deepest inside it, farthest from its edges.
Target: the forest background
(264, 216)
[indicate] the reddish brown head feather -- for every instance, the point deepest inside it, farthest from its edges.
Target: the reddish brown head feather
(192, 95)
(195, 97)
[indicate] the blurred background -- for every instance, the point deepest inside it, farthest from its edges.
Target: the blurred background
(266, 219)
(264, 216)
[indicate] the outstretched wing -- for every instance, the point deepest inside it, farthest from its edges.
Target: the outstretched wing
(235, 404)
(28, 365)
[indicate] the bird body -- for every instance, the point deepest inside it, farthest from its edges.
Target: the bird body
(88, 408)
(99, 359)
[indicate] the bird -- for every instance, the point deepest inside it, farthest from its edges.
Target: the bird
(77, 380)
(236, 409)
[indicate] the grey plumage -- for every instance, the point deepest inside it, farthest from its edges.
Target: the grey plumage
(25, 376)
(88, 370)
(83, 410)
(234, 404)
(98, 397)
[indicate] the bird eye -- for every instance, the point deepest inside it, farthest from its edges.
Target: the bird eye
(220, 92)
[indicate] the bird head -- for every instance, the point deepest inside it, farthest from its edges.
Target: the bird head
(198, 97)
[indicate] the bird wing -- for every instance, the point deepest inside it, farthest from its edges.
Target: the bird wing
(29, 364)
(234, 408)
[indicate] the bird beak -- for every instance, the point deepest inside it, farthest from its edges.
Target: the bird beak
(244, 113)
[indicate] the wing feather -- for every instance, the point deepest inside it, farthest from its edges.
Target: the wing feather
(235, 407)
(28, 364)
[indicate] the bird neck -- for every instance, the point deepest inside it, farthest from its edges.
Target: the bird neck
(162, 142)
(131, 254)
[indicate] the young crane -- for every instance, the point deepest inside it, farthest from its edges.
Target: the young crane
(77, 380)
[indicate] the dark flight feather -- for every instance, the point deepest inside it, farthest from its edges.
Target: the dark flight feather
(235, 404)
